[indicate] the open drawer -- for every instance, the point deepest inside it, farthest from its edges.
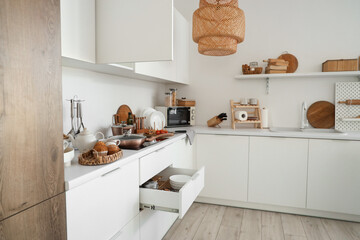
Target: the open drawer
(174, 201)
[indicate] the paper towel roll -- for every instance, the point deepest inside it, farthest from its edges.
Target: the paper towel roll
(265, 117)
(241, 115)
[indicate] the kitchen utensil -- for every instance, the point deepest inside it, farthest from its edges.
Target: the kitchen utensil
(85, 140)
(122, 113)
(146, 114)
(213, 122)
(135, 141)
(178, 181)
(293, 62)
(351, 102)
(80, 116)
(69, 154)
(65, 144)
(157, 120)
(112, 142)
(76, 116)
(321, 114)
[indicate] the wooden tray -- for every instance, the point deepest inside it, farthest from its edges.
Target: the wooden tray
(122, 113)
(90, 158)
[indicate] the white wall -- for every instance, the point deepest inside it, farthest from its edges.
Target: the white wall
(313, 31)
(103, 95)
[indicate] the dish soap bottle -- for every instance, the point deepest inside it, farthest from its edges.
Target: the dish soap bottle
(130, 120)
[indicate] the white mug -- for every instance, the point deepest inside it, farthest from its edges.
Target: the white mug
(112, 142)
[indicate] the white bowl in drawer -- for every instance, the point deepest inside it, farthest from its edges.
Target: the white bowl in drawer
(174, 201)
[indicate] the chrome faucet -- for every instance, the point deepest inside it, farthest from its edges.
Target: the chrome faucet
(304, 121)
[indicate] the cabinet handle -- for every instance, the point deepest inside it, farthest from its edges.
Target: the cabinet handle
(110, 172)
(196, 176)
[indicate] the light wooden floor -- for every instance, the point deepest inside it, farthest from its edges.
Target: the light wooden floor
(207, 222)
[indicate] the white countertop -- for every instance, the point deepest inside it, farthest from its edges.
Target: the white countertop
(77, 174)
(267, 133)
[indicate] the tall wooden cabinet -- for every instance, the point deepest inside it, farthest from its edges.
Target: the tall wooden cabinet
(31, 160)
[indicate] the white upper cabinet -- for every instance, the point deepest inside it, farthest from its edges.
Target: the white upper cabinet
(134, 30)
(78, 29)
(178, 69)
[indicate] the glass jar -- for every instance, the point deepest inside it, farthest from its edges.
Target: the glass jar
(173, 96)
(168, 99)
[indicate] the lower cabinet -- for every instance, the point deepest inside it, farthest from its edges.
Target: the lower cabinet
(182, 154)
(334, 176)
(278, 171)
(101, 207)
(43, 221)
(226, 161)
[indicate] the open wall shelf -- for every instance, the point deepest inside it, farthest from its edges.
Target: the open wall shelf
(267, 77)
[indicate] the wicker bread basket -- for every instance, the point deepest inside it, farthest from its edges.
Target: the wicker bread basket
(92, 158)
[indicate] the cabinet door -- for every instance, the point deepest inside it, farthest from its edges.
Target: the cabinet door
(334, 176)
(182, 154)
(42, 222)
(278, 171)
(78, 29)
(134, 31)
(100, 208)
(31, 153)
(176, 70)
(226, 162)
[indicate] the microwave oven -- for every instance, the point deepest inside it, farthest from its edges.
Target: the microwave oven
(177, 116)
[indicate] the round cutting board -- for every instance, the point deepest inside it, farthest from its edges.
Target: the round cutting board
(293, 62)
(123, 112)
(321, 114)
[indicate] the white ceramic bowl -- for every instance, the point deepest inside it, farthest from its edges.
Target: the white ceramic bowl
(179, 179)
(69, 154)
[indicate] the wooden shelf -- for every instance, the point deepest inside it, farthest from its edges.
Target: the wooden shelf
(246, 106)
(247, 121)
(267, 77)
(300, 75)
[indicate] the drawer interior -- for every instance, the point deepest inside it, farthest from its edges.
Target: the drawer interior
(174, 201)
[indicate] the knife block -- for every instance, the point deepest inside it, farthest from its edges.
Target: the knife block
(213, 122)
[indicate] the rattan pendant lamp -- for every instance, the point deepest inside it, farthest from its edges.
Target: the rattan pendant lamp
(218, 26)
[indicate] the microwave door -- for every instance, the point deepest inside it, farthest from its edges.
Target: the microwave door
(178, 116)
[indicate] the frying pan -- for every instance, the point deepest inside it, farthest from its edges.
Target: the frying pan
(135, 141)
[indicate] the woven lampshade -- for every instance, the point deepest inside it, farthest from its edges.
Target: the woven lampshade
(218, 26)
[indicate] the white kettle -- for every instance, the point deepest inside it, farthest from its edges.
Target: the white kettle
(85, 140)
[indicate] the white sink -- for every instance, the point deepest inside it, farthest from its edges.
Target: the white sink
(306, 130)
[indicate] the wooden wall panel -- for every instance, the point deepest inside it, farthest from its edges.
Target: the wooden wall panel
(44, 221)
(31, 158)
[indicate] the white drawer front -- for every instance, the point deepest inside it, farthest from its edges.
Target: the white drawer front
(177, 201)
(153, 163)
(130, 232)
(155, 224)
(98, 209)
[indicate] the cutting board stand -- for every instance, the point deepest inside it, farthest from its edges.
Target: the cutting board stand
(252, 110)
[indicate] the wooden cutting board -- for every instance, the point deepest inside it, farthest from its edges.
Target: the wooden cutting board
(321, 114)
(123, 113)
(293, 62)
